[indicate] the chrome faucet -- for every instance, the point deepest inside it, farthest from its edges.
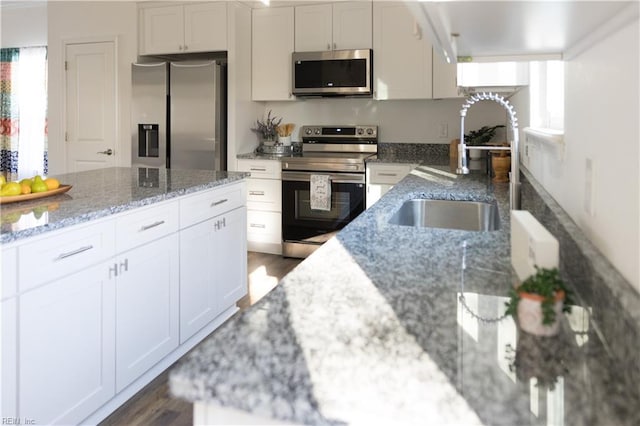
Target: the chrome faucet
(514, 178)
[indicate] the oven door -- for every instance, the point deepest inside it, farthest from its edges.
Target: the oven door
(301, 224)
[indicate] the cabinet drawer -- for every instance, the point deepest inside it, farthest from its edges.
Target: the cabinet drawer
(265, 169)
(264, 226)
(145, 225)
(388, 173)
(214, 202)
(9, 270)
(65, 252)
(264, 194)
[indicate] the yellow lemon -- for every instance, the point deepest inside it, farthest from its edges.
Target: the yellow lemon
(11, 188)
(3, 180)
(52, 183)
(25, 189)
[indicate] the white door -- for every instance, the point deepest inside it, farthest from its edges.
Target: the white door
(90, 106)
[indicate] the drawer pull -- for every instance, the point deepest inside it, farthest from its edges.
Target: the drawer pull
(257, 225)
(217, 203)
(256, 192)
(257, 169)
(73, 253)
(153, 225)
(388, 174)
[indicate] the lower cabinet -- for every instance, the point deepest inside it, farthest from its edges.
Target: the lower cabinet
(213, 269)
(71, 345)
(66, 366)
(382, 176)
(147, 304)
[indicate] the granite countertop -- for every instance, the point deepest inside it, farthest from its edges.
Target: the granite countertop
(99, 193)
(371, 329)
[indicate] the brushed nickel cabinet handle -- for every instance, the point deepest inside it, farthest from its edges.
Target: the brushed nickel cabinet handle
(153, 225)
(256, 192)
(73, 252)
(217, 203)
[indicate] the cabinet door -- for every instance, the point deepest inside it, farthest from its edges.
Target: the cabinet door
(402, 59)
(352, 24)
(272, 45)
(8, 358)
(147, 292)
(231, 257)
(213, 269)
(163, 30)
(205, 27)
(66, 347)
(197, 278)
(445, 78)
(313, 28)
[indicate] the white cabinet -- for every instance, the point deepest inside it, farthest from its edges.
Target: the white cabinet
(264, 204)
(91, 312)
(198, 27)
(402, 54)
(66, 364)
(405, 66)
(213, 268)
(445, 81)
(382, 176)
(345, 25)
(271, 48)
(147, 300)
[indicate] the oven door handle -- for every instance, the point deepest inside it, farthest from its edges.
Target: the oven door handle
(333, 177)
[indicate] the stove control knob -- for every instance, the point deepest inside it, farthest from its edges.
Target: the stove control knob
(360, 131)
(317, 131)
(307, 131)
(369, 131)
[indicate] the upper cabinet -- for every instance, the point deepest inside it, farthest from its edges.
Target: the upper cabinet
(338, 26)
(271, 48)
(402, 59)
(200, 27)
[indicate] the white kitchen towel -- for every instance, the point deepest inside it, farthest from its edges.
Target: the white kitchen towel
(320, 192)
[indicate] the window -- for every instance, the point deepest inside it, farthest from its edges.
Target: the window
(546, 91)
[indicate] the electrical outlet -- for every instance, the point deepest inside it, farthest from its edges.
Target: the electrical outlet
(589, 195)
(443, 131)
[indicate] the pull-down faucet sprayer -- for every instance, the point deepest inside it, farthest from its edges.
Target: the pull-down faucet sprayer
(514, 178)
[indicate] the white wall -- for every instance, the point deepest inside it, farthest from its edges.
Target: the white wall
(601, 124)
(84, 21)
(402, 121)
(23, 25)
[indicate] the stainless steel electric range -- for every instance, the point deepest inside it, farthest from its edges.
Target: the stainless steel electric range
(339, 152)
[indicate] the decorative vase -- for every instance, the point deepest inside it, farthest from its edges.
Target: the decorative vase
(501, 167)
(530, 314)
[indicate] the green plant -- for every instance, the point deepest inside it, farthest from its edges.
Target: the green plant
(267, 127)
(481, 136)
(545, 283)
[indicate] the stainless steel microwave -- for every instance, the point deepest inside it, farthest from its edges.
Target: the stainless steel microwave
(333, 73)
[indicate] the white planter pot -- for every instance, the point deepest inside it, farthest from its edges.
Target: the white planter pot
(530, 315)
(475, 154)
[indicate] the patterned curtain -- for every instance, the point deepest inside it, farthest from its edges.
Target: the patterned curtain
(23, 111)
(9, 112)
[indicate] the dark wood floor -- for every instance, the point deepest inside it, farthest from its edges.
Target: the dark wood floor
(153, 405)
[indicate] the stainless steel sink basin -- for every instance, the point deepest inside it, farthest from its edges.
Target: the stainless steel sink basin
(465, 215)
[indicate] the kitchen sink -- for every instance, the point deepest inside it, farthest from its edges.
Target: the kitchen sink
(449, 214)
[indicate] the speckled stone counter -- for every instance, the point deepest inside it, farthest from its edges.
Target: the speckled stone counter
(99, 193)
(387, 324)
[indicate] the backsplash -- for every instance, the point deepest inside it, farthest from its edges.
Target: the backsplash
(612, 303)
(399, 151)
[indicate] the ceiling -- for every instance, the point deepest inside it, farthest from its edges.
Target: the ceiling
(495, 29)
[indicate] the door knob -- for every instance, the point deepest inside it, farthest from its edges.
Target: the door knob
(107, 152)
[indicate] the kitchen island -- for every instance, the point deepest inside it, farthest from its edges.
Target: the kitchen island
(389, 324)
(107, 285)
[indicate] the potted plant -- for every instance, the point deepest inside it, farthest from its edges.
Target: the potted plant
(539, 301)
(482, 136)
(267, 129)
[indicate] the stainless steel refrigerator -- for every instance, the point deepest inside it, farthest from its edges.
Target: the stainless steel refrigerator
(179, 115)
